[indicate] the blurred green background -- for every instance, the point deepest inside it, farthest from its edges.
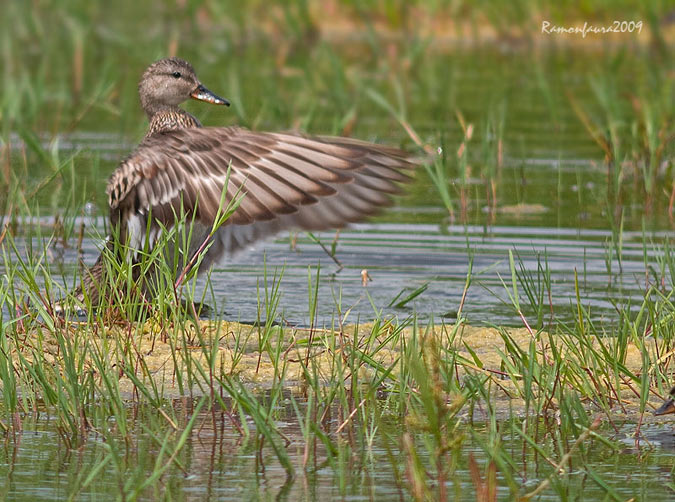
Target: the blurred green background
(596, 112)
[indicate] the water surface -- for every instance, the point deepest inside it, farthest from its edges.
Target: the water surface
(219, 464)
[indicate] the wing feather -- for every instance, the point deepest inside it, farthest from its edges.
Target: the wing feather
(287, 181)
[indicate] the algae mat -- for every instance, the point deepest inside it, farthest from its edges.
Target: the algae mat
(160, 356)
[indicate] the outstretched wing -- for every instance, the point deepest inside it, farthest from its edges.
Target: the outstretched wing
(287, 180)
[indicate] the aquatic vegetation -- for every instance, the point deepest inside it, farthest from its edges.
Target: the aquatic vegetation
(348, 387)
(531, 373)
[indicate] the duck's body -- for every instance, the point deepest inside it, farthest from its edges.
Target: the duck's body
(287, 180)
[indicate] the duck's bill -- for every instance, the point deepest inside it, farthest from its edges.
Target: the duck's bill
(666, 408)
(203, 94)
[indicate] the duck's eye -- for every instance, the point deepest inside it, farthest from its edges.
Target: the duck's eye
(176, 74)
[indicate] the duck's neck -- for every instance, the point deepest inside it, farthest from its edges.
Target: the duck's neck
(170, 118)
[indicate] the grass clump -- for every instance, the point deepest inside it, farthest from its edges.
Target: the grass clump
(442, 400)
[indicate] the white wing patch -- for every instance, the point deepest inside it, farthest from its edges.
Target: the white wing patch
(135, 233)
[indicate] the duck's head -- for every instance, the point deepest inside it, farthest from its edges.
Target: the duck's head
(668, 406)
(169, 82)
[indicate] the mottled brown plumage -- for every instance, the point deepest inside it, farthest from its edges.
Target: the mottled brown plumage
(287, 180)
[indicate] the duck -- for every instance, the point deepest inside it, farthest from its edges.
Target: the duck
(668, 406)
(280, 180)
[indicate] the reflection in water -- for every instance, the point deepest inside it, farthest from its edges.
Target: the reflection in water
(218, 463)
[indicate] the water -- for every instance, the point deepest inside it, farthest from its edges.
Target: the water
(217, 463)
(402, 257)
(552, 211)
